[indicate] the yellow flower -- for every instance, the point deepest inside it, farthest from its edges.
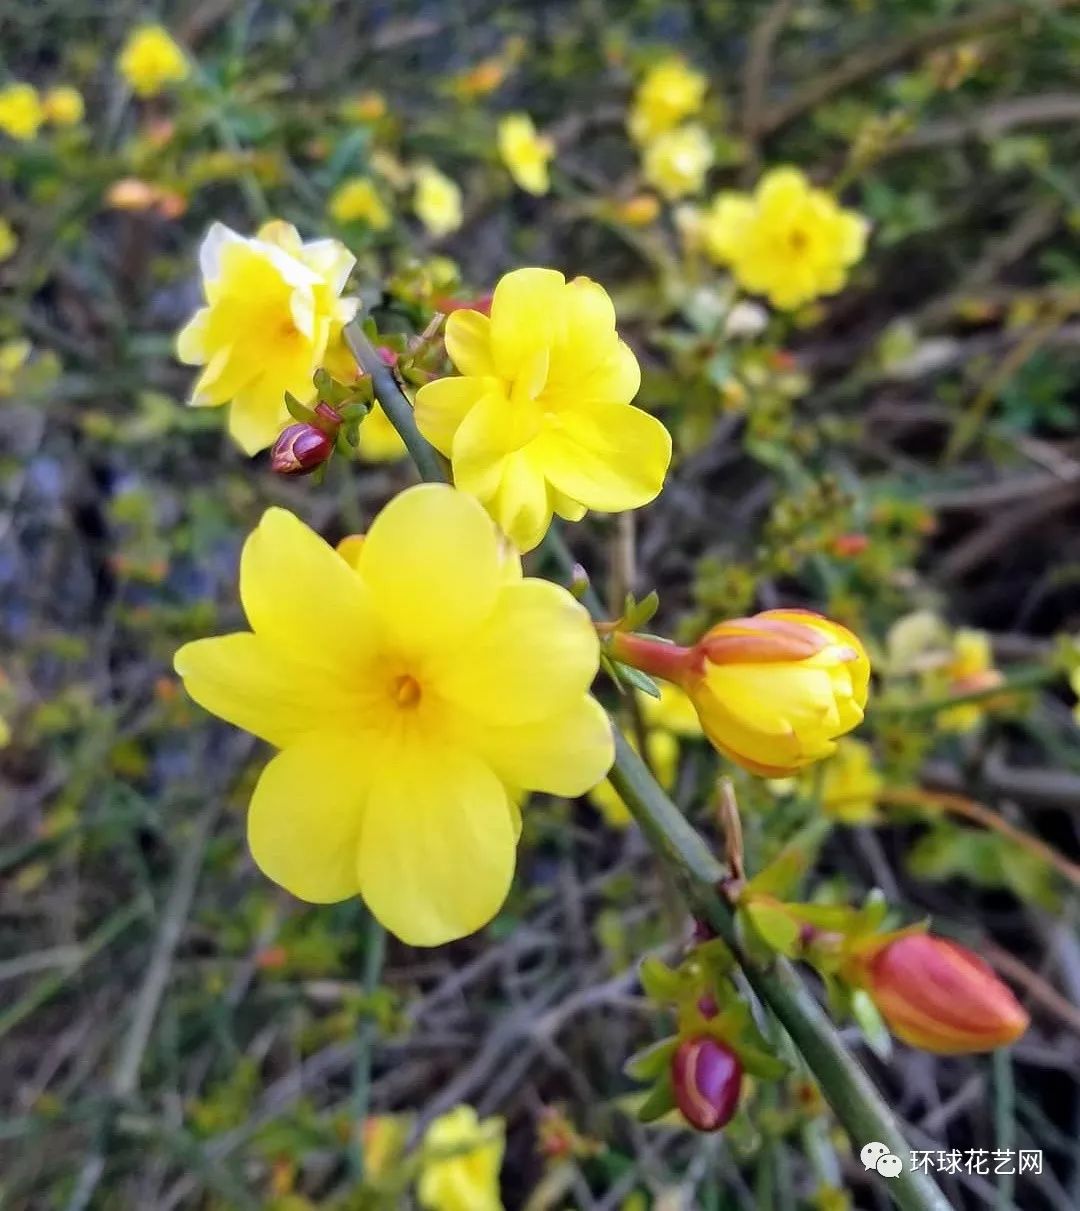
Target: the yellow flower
(676, 161)
(364, 107)
(273, 306)
(670, 92)
(150, 59)
(850, 783)
(462, 1159)
(380, 442)
(541, 421)
(437, 201)
(773, 692)
(21, 114)
(13, 356)
(9, 241)
(64, 106)
(915, 642)
(638, 211)
(970, 669)
(412, 690)
(787, 241)
(525, 153)
(357, 200)
(383, 1141)
(673, 711)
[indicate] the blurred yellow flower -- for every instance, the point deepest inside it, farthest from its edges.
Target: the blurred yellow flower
(670, 92)
(969, 670)
(272, 308)
(773, 692)
(9, 241)
(364, 107)
(673, 711)
(5, 732)
(150, 60)
(383, 1142)
(850, 783)
(915, 643)
(380, 442)
(638, 211)
(788, 241)
(462, 1157)
(677, 161)
(525, 152)
(13, 356)
(357, 200)
(414, 689)
(437, 201)
(21, 114)
(540, 421)
(64, 106)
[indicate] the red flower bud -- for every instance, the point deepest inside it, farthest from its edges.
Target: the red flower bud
(937, 995)
(707, 1078)
(300, 448)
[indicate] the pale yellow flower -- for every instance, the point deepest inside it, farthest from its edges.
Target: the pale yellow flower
(670, 92)
(21, 113)
(788, 240)
(150, 60)
(850, 783)
(9, 241)
(357, 200)
(437, 201)
(273, 307)
(380, 442)
(525, 152)
(677, 161)
(64, 106)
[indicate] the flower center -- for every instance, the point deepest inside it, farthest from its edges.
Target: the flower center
(406, 691)
(797, 240)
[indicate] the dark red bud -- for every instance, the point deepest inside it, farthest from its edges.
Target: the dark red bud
(300, 449)
(707, 1078)
(707, 1005)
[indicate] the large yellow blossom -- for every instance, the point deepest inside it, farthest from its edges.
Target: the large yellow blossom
(462, 1157)
(525, 153)
(437, 201)
(677, 161)
(273, 306)
(21, 113)
(788, 241)
(414, 689)
(773, 692)
(357, 201)
(540, 421)
(150, 60)
(670, 92)
(63, 106)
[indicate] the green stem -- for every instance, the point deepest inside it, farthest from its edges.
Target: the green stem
(1019, 680)
(849, 1091)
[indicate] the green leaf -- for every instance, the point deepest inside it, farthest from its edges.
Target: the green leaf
(660, 982)
(774, 925)
(636, 679)
(660, 1101)
(651, 1062)
(871, 1023)
(299, 411)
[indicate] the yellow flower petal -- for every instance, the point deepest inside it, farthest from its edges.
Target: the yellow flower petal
(246, 681)
(565, 754)
(524, 311)
(305, 818)
(607, 456)
(468, 342)
(441, 406)
(431, 560)
(300, 595)
(436, 847)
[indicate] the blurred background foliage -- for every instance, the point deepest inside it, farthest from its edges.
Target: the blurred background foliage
(176, 1033)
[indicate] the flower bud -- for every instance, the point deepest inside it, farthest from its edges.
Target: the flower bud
(937, 995)
(300, 448)
(707, 1078)
(773, 692)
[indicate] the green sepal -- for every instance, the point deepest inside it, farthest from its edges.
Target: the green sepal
(651, 1062)
(871, 1023)
(661, 1100)
(299, 411)
(660, 982)
(774, 925)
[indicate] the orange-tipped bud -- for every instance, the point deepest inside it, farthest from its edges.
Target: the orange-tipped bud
(300, 449)
(706, 1076)
(937, 995)
(773, 692)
